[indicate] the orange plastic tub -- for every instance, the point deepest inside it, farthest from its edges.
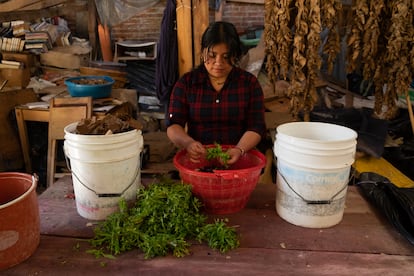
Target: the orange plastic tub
(19, 218)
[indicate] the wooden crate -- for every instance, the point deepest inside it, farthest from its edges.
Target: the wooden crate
(15, 77)
(27, 58)
(65, 57)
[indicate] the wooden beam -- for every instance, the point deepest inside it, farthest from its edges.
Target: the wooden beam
(92, 28)
(14, 5)
(43, 5)
(200, 24)
(184, 36)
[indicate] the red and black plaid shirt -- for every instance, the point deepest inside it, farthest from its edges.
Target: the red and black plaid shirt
(213, 116)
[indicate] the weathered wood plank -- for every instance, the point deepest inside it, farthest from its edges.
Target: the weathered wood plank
(44, 4)
(362, 229)
(14, 5)
(361, 244)
(57, 255)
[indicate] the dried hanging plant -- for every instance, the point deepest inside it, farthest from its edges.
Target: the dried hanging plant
(380, 47)
(292, 40)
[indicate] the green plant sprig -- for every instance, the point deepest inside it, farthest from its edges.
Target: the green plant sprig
(218, 153)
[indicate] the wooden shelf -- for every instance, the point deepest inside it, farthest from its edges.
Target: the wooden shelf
(135, 50)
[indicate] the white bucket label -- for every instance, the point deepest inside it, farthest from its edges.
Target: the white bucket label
(297, 186)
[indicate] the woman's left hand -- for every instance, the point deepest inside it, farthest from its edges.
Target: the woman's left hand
(235, 154)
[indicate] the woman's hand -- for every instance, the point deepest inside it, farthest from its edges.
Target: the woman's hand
(195, 151)
(235, 154)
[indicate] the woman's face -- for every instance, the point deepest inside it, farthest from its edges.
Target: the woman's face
(217, 60)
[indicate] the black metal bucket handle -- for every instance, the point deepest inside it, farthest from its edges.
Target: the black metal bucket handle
(98, 194)
(308, 201)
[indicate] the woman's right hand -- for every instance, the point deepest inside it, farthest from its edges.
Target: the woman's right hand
(195, 151)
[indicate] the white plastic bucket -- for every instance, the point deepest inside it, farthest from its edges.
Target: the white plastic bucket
(313, 169)
(104, 169)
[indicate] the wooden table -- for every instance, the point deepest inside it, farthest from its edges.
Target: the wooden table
(363, 243)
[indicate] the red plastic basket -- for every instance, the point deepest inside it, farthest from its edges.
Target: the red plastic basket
(222, 191)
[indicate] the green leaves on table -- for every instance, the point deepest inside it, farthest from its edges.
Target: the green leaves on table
(164, 218)
(219, 236)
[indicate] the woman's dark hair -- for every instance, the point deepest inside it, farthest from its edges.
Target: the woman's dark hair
(222, 32)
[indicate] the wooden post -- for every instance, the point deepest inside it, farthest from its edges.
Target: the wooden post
(92, 28)
(410, 111)
(184, 36)
(200, 24)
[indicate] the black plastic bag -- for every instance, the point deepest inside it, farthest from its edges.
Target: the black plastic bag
(396, 203)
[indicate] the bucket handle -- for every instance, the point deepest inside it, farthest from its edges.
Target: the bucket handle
(92, 190)
(310, 202)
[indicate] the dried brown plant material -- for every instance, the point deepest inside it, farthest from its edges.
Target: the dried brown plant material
(371, 39)
(278, 39)
(109, 124)
(360, 13)
(330, 17)
(380, 46)
(312, 54)
(292, 40)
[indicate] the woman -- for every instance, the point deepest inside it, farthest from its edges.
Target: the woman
(218, 101)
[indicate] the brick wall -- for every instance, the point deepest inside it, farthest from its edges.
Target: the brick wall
(243, 15)
(146, 25)
(142, 26)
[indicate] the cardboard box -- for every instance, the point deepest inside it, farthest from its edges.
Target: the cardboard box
(15, 77)
(65, 57)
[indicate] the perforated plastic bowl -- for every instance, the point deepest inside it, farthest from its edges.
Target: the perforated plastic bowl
(222, 191)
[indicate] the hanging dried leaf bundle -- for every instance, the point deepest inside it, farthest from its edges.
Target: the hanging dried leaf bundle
(278, 37)
(330, 16)
(380, 47)
(293, 39)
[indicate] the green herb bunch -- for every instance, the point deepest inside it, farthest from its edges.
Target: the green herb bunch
(165, 217)
(218, 153)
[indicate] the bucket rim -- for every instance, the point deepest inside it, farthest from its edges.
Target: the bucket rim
(111, 146)
(23, 176)
(72, 126)
(352, 133)
(315, 152)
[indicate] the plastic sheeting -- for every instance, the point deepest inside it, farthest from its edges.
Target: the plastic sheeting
(397, 204)
(113, 12)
